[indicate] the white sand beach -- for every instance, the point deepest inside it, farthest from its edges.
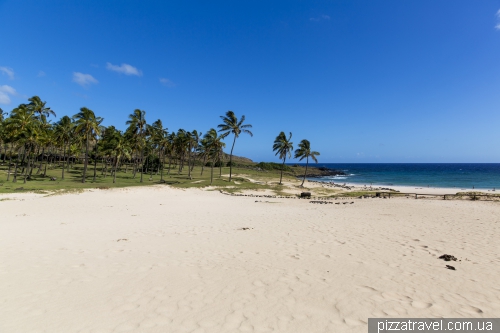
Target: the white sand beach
(157, 259)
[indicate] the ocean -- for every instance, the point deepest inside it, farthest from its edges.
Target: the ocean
(449, 175)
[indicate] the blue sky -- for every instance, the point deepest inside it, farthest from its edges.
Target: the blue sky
(364, 81)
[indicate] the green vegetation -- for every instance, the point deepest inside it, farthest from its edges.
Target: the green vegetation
(270, 166)
(77, 153)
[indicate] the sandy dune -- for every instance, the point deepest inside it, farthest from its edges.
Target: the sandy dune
(163, 260)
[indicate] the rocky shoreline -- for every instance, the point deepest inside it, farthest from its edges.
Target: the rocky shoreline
(322, 172)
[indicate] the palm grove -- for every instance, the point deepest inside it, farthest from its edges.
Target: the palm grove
(31, 143)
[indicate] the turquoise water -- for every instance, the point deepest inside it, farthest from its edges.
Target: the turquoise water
(451, 175)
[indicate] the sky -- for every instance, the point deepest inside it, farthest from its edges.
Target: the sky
(364, 81)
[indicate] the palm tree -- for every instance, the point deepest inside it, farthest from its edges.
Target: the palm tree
(214, 146)
(87, 125)
(204, 152)
(170, 148)
(193, 140)
(30, 138)
(283, 147)
(304, 151)
(117, 146)
(137, 126)
(64, 132)
(158, 135)
(232, 125)
(181, 145)
(45, 133)
(39, 107)
(21, 123)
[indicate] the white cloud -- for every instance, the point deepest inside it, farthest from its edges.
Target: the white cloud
(84, 79)
(124, 69)
(7, 71)
(497, 26)
(319, 18)
(5, 91)
(167, 82)
(41, 73)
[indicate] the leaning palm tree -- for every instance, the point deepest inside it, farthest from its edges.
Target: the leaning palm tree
(304, 151)
(283, 147)
(232, 125)
(87, 125)
(137, 126)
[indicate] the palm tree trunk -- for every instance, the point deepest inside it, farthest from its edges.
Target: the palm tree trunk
(231, 159)
(159, 162)
(221, 157)
(169, 163)
(282, 167)
(10, 162)
(102, 166)
(45, 170)
(305, 173)
(152, 167)
(162, 166)
(14, 180)
(114, 175)
(181, 164)
(86, 159)
(32, 165)
(212, 171)
(189, 162)
(95, 166)
(22, 161)
(28, 166)
(135, 166)
(142, 161)
(203, 165)
(64, 159)
(41, 161)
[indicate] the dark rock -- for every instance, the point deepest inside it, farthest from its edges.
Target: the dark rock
(323, 173)
(448, 257)
(451, 267)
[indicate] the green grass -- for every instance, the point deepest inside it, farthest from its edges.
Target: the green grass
(72, 182)
(262, 180)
